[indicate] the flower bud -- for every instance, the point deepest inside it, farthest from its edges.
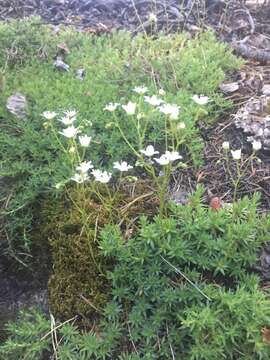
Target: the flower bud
(226, 145)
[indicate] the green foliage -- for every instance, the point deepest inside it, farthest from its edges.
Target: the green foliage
(231, 327)
(31, 156)
(30, 338)
(28, 330)
(181, 286)
(223, 242)
(220, 310)
(171, 297)
(22, 40)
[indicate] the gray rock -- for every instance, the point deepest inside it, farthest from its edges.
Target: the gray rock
(229, 87)
(254, 120)
(80, 74)
(61, 65)
(17, 105)
(266, 89)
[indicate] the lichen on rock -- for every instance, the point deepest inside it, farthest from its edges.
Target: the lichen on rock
(254, 119)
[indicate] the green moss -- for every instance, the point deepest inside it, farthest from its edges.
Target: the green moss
(72, 223)
(78, 284)
(76, 287)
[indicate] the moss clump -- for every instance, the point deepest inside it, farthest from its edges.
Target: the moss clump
(72, 223)
(76, 287)
(78, 284)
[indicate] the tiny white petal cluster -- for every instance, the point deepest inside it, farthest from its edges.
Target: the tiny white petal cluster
(226, 145)
(70, 132)
(80, 178)
(49, 115)
(161, 92)
(163, 160)
(66, 120)
(101, 176)
(168, 157)
(181, 126)
(140, 89)
(130, 108)
(84, 167)
(256, 145)
(85, 140)
(173, 155)
(170, 109)
(152, 17)
(153, 100)
(122, 166)
(71, 113)
(149, 151)
(111, 107)
(236, 154)
(59, 185)
(200, 100)
(72, 150)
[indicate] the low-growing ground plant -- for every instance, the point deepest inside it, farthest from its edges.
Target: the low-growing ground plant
(181, 288)
(33, 161)
(134, 276)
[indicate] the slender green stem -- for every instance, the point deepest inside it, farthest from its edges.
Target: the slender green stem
(57, 139)
(163, 189)
(237, 181)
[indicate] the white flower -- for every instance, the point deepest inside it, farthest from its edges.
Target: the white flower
(173, 155)
(170, 109)
(168, 157)
(236, 154)
(69, 118)
(70, 132)
(84, 166)
(80, 178)
(153, 100)
(101, 176)
(181, 126)
(149, 151)
(123, 166)
(130, 108)
(200, 100)
(256, 145)
(72, 150)
(85, 140)
(163, 160)
(152, 17)
(66, 120)
(49, 115)
(161, 92)
(140, 89)
(71, 113)
(111, 107)
(226, 145)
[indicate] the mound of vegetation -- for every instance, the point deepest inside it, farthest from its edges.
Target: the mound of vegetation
(86, 171)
